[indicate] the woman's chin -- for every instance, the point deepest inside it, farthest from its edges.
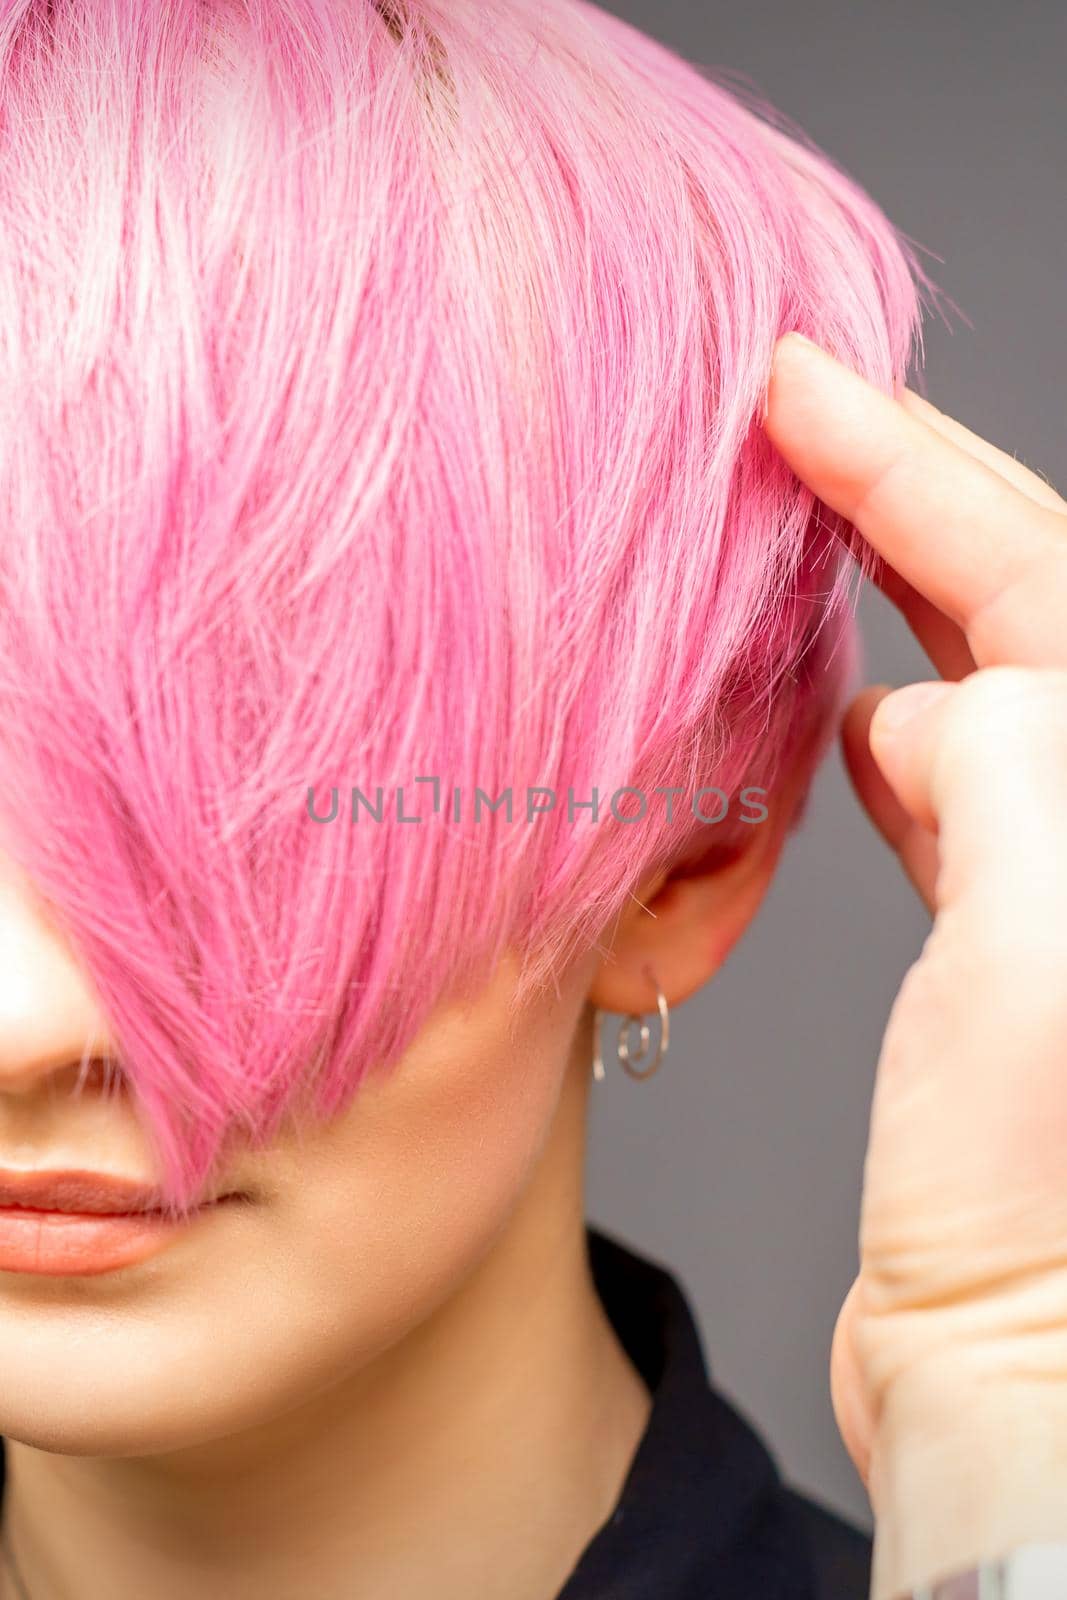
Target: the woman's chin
(119, 1400)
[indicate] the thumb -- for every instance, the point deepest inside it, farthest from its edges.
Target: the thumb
(904, 727)
(848, 1392)
(914, 845)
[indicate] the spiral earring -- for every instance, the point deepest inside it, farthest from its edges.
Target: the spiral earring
(636, 1063)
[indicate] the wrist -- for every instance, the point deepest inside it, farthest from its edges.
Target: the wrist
(969, 1462)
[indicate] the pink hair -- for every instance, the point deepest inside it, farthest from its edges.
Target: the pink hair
(381, 391)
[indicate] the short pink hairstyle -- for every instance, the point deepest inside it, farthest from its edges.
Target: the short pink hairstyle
(381, 392)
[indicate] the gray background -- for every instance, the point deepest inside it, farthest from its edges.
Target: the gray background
(740, 1164)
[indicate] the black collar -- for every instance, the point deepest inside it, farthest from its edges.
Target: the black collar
(703, 1513)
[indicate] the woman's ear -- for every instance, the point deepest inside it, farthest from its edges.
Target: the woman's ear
(684, 923)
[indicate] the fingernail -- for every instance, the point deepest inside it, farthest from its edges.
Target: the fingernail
(902, 705)
(786, 339)
(794, 338)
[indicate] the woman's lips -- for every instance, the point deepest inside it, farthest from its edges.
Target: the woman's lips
(82, 1243)
(74, 1222)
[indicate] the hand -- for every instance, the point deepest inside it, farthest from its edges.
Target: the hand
(949, 1363)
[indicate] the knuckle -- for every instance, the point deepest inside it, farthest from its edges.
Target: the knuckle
(897, 463)
(1007, 727)
(1004, 699)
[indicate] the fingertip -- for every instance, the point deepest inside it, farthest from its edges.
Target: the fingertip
(790, 358)
(861, 708)
(791, 346)
(803, 386)
(793, 338)
(895, 710)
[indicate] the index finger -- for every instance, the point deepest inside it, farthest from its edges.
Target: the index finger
(951, 525)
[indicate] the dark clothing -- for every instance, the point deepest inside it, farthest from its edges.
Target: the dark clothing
(703, 1514)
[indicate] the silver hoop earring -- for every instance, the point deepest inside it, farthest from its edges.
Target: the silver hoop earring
(635, 1062)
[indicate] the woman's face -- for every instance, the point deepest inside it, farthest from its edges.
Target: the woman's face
(355, 1232)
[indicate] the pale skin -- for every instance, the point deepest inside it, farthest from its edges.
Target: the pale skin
(391, 1374)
